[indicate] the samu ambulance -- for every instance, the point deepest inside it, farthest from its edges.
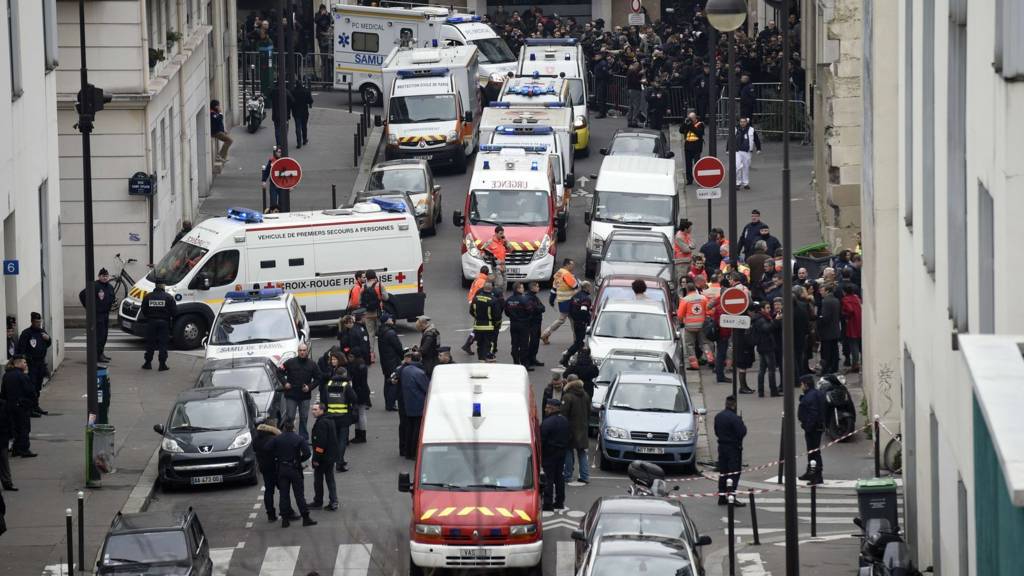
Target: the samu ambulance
(476, 493)
(496, 58)
(512, 185)
(312, 255)
(561, 57)
(432, 104)
(551, 127)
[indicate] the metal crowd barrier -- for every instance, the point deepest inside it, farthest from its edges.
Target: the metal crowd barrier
(316, 69)
(768, 117)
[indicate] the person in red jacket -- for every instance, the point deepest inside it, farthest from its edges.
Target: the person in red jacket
(850, 307)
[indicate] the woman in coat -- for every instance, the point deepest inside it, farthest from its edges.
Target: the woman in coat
(576, 409)
(851, 311)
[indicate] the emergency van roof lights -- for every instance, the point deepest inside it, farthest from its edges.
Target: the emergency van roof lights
(264, 293)
(487, 163)
(550, 41)
(513, 148)
(536, 73)
(461, 19)
(553, 104)
(433, 43)
(426, 73)
(500, 104)
(388, 205)
(513, 130)
(533, 57)
(247, 215)
(477, 409)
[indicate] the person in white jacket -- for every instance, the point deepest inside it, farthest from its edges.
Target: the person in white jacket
(746, 141)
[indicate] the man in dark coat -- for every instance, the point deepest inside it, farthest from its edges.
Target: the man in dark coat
(290, 450)
(33, 343)
(576, 409)
(302, 100)
(580, 314)
(301, 375)
(811, 413)
(536, 308)
(748, 98)
(280, 120)
(429, 343)
(584, 368)
(266, 432)
(712, 250)
(828, 330)
(602, 75)
(359, 371)
(326, 453)
(6, 432)
(765, 327)
(158, 308)
(755, 261)
(554, 442)
(730, 431)
(104, 303)
(390, 348)
(517, 308)
(20, 394)
(692, 130)
(415, 383)
(750, 233)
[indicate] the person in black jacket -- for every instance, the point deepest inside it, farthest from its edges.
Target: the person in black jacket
(302, 100)
(359, 371)
(517, 308)
(415, 385)
(104, 303)
(275, 193)
(390, 348)
(6, 431)
(811, 413)
(33, 344)
(324, 441)
(290, 450)
(266, 432)
(579, 313)
(554, 442)
(764, 328)
(12, 336)
(301, 375)
(20, 394)
(280, 120)
(341, 402)
(712, 249)
(585, 369)
(730, 431)
(602, 75)
(484, 309)
(158, 308)
(828, 330)
(536, 323)
(692, 130)
(430, 342)
(748, 97)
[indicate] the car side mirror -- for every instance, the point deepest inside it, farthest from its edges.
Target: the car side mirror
(604, 151)
(670, 154)
(457, 218)
(701, 412)
(468, 116)
(704, 540)
(570, 180)
(159, 429)
(586, 217)
(404, 483)
(204, 341)
(579, 535)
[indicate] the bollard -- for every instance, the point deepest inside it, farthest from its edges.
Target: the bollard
(782, 463)
(753, 518)
(355, 150)
(732, 526)
(81, 529)
(878, 453)
(349, 97)
(814, 501)
(71, 542)
(334, 196)
(264, 188)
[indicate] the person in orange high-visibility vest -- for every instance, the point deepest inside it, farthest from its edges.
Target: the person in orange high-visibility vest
(563, 287)
(683, 247)
(356, 292)
(693, 309)
(481, 278)
(713, 291)
(697, 269)
(498, 247)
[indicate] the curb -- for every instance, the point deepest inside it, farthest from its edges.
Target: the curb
(374, 140)
(675, 144)
(141, 494)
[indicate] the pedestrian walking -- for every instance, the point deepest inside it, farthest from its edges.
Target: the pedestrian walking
(33, 343)
(415, 384)
(765, 330)
(218, 132)
(682, 248)
(104, 302)
(751, 233)
(326, 453)
(19, 392)
(536, 308)
(7, 428)
(692, 130)
(730, 431)
(693, 310)
(268, 184)
(430, 343)
(563, 288)
(390, 348)
(811, 413)
(747, 141)
(576, 409)
(580, 314)
(483, 309)
(555, 437)
(302, 100)
(634, 86)
(290, 450)
(828, 329)
(519, 314)
(266, 432)
(301, 374)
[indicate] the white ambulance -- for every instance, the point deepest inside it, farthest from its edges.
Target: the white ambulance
(432, 104)
(561, 57)
(496, 59)
(313, 255)
(535, 90)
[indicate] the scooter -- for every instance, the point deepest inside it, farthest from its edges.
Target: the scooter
(883, 551)
(648, 480)
(840, 413)
(255, 112)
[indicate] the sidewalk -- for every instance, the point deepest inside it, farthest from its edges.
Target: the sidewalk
(48, 484)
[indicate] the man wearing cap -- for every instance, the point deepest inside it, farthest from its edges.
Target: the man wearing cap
(389, 346)
(730, 431)
(554, 441)
(429, 343)
(104, 302)
(750, 233)
(20, 394)
(33, 344)
(158, 308)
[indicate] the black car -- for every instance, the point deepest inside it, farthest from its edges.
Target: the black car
(256, 374)
(664, 520)
(208, 438)
(621, 360)
(638, 142)
(156, 543)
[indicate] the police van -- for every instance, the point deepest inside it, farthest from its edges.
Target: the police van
(432, 104)
(512, 185)
(561, 57)
(535, 90)
(551, 127)
(313, 255)
(265, 323)
(476, 492)
(496, 59)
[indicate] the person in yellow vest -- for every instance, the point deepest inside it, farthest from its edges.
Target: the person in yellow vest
(481, 278)
(692, 130)
(563, 287)
(485, 309)
(683, 247)
(693, 309)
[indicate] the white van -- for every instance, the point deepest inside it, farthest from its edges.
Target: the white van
(496, 59)
(268, 322)
(632, 193)
(313, 255)
(561, 57)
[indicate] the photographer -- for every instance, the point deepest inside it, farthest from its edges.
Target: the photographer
(692, 130)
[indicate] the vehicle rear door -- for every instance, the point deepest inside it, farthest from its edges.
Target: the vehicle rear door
(200, 548)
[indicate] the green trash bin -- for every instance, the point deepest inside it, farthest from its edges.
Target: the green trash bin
(876, 499)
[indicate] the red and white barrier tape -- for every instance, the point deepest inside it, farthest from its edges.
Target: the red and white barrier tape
(892, 435)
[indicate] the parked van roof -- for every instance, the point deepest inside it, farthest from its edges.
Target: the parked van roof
(504, 396)
(638, 174)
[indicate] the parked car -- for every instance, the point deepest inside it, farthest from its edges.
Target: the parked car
(412, 175)
(639, 324)
(256, 374)
(638, 252)
(156, 543)
(659, 517)
(638, 142)
(620, 287)
(618, 361)
(208, 438)
(617, 554)
(649, 417)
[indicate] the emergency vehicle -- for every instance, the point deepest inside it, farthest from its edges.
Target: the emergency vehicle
(432, 104)
(265, 323)
(632, 193)
(533, 91)
(512, 185)
(496, 59)
(562, 57)
(476, 492)
(313, 255)
(551, 127)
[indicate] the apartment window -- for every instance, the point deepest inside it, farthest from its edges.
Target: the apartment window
(163, 144)
(956, 165)
(50, 46)
(14, 48)
(986, 262)
(908, 113)
(1008, 59)
(928, 141)
(933, 442)
(365, 42)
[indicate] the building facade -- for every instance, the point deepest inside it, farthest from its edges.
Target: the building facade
(30, 190)
(162, 61)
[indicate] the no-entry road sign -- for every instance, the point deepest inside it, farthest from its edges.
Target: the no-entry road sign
(285, 173)
(735, 301)
(708, 172)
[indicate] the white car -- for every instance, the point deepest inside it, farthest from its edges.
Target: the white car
(635, 324)
(265, 323)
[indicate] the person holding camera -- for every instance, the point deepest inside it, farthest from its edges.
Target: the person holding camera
(693, 142)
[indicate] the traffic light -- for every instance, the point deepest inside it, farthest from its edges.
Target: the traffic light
(91, 100)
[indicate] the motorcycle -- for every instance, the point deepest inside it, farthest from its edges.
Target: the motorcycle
(648, 480)
(840, 413)
(255, 112)
(883, 551)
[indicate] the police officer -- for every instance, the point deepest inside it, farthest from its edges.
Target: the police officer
(811, 413)
(730, 431)
(158, 308)
(483, 309)
(340, 399)
(266, 432)
(518, 312)
(359, 370)
(33, 344)
(554, 441)
(430, 340)
(536, 307)
(104, 302)
(290, 450)
(389, 346)
(579, 313)
(324, 440)
(20, 394)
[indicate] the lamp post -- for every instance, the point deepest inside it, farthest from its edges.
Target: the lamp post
(712, 113)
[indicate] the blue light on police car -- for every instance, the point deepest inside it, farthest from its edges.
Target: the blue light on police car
(501, 104)
(536, 73)
(462, 19)
(405, 74)
(476, 410)
(553, 105)
(533, 165)
(245, 215)
(487, 164)
(271, 292)
(433, 43)
(550, 41)
(533, 57)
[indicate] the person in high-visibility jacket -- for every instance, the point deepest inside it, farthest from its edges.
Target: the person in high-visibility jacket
(693, 309)
(683, 247)
(498, 247)
(484, 309)
(355, 294)
(713, 291)
(563, 287)
(340, 399)
(475, 287)
(725, 268)
(697, 269)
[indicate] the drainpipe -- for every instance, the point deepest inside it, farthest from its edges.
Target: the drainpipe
(184, 120)
(236, 112)
(219, 92)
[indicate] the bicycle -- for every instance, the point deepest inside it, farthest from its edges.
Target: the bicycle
(892, 455)
(123, 282)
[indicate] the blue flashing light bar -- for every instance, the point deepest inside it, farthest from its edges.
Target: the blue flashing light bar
(536, 73)
(533, 165)
(533, 57)
(551, 41)
(389, 205)
(461, 19)
(265, 293)
(477, 412)
(247, 215)
(531, 90)
(513, 130)
(525, 147)
(433, 43)
(499, 105)
(425, 73)
(553, 105)
(487, 163)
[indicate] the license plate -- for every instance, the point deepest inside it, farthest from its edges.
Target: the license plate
(650, 450)
(516, 270)
(127, 324)
(207, 479)
(425, 156)
(474, 552)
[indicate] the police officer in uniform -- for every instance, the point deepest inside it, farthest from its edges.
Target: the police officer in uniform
(579, 313)
(104, 302)
(390, 348)
(730, 431)
(554, 441)
(536, 308)
(158, 309)
(517, 310)
(811, 413)
(33, 344)
(483, 309)
(290, 450)
(340, 400)
(359, 371)
(20, 394)
(324, 440)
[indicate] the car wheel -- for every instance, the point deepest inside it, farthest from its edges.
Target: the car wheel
(370, 94)
(603, 463)
(188, 332)
(414, 570)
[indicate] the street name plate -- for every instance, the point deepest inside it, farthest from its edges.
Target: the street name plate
(709, 193)
(635, 19)
(728, 321)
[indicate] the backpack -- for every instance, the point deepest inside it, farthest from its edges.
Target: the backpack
(710, 329)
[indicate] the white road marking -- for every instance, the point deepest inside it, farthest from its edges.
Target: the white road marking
(280, 561)
(829, 520)
(750, 564)
(827, 538)
(774, 479)
(565, 558)
(221, 560)
(353, 560)
(56, 570)
(750, 531)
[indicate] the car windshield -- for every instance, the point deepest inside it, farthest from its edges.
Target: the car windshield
(146, 548)
(665, 525)
(216, 413)
(411, 181)
(252, 378)
(421, 108)
(637, 251)
(509, 207)
(611, 367)
(617, 565)
(476, 467)
(176, 263)
(252, 327)
(650, 397)
(626, 293)
(575, 91)
(494, 51)
(634, 146)
(634, 208)
(633, 325)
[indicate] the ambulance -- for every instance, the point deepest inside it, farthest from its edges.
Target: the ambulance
(432, 104)
(312, 255)
(533, 91)
(551, 127)
(476, 489)
(561, 57)
(512, 185)
(497, 60)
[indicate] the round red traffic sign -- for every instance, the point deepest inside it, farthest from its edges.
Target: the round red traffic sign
(285, 173)
(708, 172)
(634, 5)
(735, 301)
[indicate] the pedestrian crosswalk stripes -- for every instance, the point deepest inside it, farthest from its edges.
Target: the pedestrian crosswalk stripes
(280, 561)
(351, 560)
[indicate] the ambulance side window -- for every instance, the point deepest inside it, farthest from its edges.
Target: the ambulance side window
(221, 269)
(405, 37)
(365, 42)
